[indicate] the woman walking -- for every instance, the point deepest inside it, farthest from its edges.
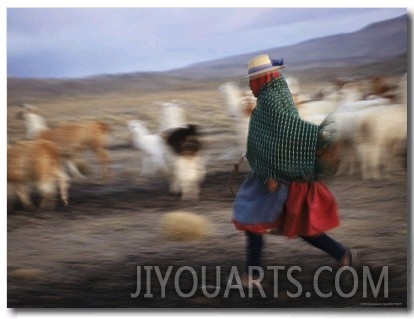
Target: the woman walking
(283, 191)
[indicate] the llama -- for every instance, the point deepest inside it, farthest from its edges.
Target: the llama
(315, 111)
(345, 125)
(331, 100)
(153, 146)
(239, 105)
(370, 139)
(363, 104)
(298, 96)
(172, 115)
(381, 137)
(34, 122)
(36, 163)
(353, 98)
(373, 134)
(72, 139)
(188, 166)
(381, 86)
(248, 104)
(293, 84)
(231, 94)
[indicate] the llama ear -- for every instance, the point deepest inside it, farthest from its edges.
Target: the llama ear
(165, 134)
(192, 128)
(28, 107)
(20, 115)
(178, 102)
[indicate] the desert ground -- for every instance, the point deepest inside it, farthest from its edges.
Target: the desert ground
(86, 255)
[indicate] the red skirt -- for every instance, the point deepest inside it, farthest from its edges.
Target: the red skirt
(310, 210)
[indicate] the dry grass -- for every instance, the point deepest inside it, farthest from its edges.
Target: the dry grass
(116, 109)
(185, 226)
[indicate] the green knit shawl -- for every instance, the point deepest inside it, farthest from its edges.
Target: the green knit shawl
(280, 144)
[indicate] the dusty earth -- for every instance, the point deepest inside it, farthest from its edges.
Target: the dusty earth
(86, 255)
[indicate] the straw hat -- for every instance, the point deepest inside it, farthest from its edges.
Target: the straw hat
(262, 64)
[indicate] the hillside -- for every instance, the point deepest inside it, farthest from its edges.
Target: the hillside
(378, 49)
(377, 42)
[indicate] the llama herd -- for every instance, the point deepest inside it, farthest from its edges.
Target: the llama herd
(47, 160)
(368, 118)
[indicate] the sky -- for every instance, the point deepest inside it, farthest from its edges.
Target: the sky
(77, 42)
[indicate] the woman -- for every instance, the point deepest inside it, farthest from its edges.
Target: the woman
(282, 191)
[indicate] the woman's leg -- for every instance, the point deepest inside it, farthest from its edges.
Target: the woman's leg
(328, 245)
(254, 246)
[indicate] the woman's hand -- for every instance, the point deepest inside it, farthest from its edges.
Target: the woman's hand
(272, 185)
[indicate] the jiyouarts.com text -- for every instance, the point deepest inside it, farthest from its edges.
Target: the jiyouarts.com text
(186, 281)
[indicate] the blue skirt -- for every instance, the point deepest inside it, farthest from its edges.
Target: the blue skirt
(256, 209)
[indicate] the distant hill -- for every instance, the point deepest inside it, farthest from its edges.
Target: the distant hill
(378, 49)
(377, 42)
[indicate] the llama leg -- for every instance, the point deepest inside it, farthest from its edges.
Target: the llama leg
(189, 185)
(47, 191)
(104, 158)
(191, 191)
(364, 158)
(358, 160)
(352, 163)
(344, 162)
(352, 155)
(175, 185)
(63, 181)
(369, 162)
(376, 162)
(22, 193)
(161, 163)
(175, 181)
(147, 166)
(387, 158)
(344, 155)
(192, 173)
(73, 169)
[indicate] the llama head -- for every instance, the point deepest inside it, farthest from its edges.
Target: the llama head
(137, 126)
(26, 109)
(33, 121)
(184, 141)
(248, 102)
(231, 94)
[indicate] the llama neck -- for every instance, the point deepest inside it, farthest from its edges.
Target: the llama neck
(34, 125)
